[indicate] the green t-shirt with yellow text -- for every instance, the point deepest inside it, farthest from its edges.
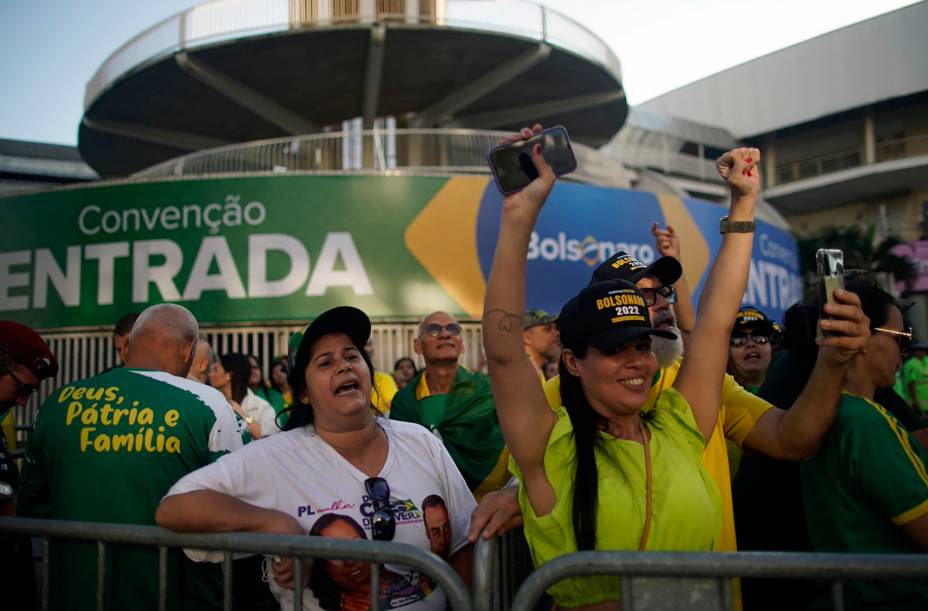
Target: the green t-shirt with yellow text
(107, 449)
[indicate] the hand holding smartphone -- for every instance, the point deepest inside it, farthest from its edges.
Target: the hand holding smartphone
(829, 264)
(511, 162)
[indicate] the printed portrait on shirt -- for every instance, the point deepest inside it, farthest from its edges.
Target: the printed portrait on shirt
(345, 585)
(437, 525)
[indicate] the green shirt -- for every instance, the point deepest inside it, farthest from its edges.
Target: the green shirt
(915, 371)
(465, 421)
(686, 514)
(107, 449)
(866, 481)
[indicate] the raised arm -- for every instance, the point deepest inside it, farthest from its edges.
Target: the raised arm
(668, 245)
(700, 378)
(796, 434)
(524, 415)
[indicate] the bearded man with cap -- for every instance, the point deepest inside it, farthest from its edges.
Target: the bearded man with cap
(25, 360)
(751, 348)
(539, 334)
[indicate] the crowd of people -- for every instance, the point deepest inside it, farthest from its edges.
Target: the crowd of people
(627, 421)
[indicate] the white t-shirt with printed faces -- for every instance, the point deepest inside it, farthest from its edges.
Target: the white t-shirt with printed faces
(298, 473)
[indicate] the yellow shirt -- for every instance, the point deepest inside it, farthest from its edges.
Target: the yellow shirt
(685, 515)
(383, 391)
(9, 429)
(739, 412)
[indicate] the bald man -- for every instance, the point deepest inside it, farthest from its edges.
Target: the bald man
(455, 404)
(202, 359)
(107, 448)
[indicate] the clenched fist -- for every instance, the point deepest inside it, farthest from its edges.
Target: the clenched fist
(740, 171)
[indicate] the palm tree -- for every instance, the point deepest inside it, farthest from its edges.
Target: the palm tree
(859, 252)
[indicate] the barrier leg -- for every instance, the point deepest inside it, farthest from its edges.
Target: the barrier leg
(227, 581)
(101, 573)
(162, 578)
(375, 586)
(298, 584)
(837, 595)
(46, 571)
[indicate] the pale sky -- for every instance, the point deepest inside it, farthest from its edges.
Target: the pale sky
(51, 48)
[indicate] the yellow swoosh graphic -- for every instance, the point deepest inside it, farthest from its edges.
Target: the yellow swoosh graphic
(451, 256)
(693, 247)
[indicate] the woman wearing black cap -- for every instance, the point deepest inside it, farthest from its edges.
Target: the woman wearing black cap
(335, 457)
(595, 474)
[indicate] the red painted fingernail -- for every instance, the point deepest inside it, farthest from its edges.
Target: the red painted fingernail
(750, 173)
(538, 149)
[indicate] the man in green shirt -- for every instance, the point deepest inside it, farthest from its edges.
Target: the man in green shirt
(456, 405)
(108, 448)
(866, 492)
(25, 360)
(915, 377)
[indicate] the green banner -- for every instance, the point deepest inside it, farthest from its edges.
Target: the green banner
(286, 248)
(232, 250)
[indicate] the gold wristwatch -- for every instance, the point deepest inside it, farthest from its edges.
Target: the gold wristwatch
(726, 226)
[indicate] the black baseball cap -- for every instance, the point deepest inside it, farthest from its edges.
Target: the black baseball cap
(606, 315)
(342, 319)
(623, 266)
(752, 319)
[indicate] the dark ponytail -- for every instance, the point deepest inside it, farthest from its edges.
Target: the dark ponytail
(586, 425)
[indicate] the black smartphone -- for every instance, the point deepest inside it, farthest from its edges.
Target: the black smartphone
(512, 166)
(829, 264)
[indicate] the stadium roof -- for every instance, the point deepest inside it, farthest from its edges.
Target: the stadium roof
(878, 59)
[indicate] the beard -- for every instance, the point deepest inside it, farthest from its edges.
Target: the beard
(667, 350)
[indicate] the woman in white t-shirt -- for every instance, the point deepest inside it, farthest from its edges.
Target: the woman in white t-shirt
(337, 464)
(229, 375)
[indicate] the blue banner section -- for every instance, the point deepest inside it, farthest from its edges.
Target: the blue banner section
(582, 225)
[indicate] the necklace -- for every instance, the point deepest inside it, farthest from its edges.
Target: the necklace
(647, 486)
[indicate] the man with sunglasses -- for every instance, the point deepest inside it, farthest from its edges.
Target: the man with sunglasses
(751, 348)
(456, 405)
(25, 360)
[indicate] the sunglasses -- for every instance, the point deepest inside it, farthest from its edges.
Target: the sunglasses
(667, 292)
(434, 329)
(383, 520)
(41, 367)
(24, 390)
(741, 339)
(903, 338)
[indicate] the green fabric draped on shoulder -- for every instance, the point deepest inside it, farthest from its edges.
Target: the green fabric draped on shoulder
(467, 422)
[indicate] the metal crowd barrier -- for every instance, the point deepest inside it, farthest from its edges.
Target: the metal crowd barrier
(654, 581)
(323, 548)
(503, 576)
